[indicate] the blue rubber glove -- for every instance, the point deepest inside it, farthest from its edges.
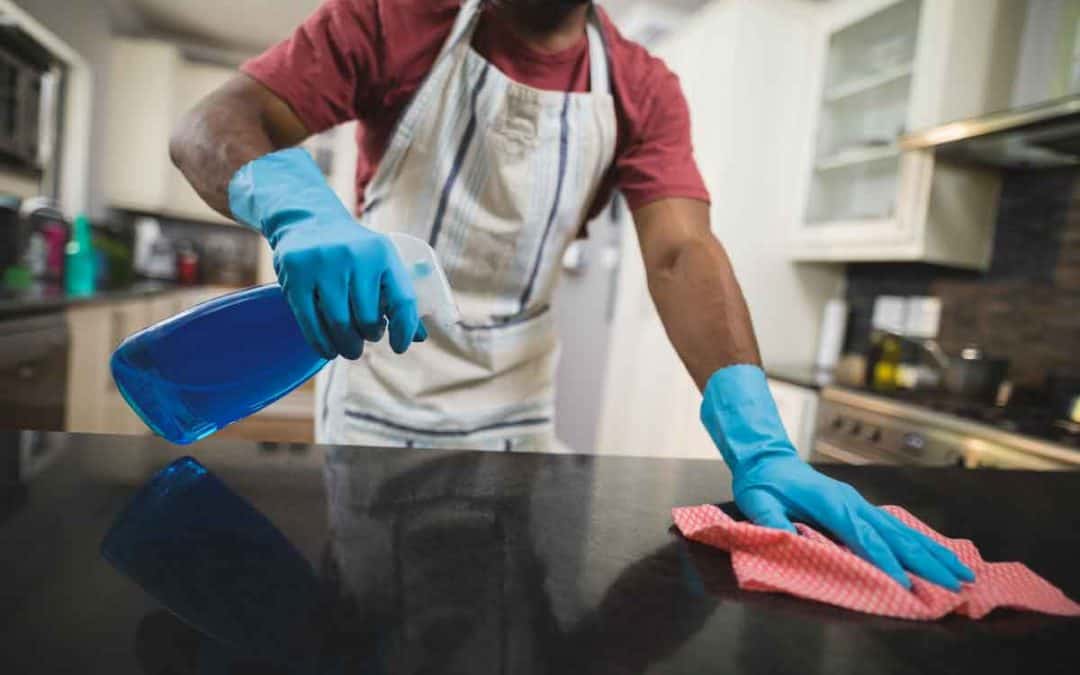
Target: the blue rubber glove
(773, 485)
(342, 281)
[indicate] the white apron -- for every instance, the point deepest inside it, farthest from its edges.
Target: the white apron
(498, 177)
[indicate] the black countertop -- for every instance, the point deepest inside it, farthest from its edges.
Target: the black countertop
(440, 562)
(46, 297)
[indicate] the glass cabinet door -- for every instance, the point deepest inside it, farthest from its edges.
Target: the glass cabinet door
(863, 110)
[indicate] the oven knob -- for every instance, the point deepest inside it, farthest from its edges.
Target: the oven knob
(875, 436)
(913, 443)
(856, 428)
(837, 422)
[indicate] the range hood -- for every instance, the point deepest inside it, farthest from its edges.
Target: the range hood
(1042, 136)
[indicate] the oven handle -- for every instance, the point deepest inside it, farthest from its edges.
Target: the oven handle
(830, 451)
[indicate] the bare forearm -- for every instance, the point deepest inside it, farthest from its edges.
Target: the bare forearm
(236, 124)
(697, 295)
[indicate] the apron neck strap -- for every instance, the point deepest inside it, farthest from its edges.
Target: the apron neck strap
(466, 21)
(599, 77)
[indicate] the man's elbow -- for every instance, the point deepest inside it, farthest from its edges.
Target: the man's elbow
(676, 253)
(180, 141)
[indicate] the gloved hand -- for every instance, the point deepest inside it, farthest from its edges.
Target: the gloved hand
(342, 281)
(773, 485)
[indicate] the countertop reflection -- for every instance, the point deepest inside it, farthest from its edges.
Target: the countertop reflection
(443, 562)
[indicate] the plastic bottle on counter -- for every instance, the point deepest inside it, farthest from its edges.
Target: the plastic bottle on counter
(79, 259)
(221, 361)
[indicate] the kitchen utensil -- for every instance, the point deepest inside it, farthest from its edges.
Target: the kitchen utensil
(11, 235)
(187, 263)
(974, 375)
(47, 228)
(1063, 394)
(154, 254)
(831, 341)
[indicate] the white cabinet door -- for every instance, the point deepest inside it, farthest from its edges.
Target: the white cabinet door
(150, 86)
(798, 412)
(885, 68)
(140, 119)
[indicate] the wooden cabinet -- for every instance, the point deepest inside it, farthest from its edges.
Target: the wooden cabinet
(151, 85)
(94, 405)
(884, 68)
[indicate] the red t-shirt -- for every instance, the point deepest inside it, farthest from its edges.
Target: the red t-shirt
(364, 60)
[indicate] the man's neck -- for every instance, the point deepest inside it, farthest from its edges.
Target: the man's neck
(544, 28)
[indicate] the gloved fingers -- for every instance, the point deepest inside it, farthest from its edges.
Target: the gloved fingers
(862, 537)
(376, 332)
(365, 305)
(421, 333)
(400, 299)
(332, 301)
(764, 509)
(302, 302)
(929, 559)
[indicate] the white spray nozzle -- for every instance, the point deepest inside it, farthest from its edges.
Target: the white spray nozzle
(434, 299)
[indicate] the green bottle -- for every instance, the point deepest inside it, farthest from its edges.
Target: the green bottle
(79, 259)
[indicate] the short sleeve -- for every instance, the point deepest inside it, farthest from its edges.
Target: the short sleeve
(328, 70)
(657, 161)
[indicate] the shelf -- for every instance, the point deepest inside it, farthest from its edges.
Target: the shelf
(868, 83)
(855, 156)
(203, 217)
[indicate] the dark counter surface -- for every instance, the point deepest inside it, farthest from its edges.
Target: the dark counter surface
(441, 562)
(46, 297)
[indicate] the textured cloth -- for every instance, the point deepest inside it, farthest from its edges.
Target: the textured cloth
(812, 566)
(366, 59)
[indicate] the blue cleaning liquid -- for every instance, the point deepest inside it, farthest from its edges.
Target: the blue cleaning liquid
(191, 375)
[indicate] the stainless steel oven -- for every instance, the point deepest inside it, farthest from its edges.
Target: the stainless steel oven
(859, 428)
(33, 372)
(33, 393)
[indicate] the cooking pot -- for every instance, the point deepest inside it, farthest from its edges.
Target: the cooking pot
(974, 375)
(1063, 394)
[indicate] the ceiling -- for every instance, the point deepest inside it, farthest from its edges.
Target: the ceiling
(253, 25)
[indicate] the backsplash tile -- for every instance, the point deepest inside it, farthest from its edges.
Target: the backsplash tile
(1025, 307)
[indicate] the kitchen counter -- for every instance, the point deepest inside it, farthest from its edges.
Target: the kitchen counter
(45, 297)
(498, 563)
(805, 376)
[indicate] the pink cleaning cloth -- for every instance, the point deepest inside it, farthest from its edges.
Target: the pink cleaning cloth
(814, 567)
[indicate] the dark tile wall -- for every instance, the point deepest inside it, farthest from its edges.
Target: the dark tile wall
(1026, 306)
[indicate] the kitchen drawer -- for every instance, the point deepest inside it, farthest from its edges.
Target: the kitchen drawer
(33, 372)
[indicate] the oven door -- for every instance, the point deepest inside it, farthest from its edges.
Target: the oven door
(828, 453)
(33, 372)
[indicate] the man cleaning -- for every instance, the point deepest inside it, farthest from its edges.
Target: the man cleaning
(494, 129)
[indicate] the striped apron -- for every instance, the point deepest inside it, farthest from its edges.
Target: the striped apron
(498, 177)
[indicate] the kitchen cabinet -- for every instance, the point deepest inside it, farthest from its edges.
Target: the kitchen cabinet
(151, 86)
(884, 68)
(798, 412)
(741, 64)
